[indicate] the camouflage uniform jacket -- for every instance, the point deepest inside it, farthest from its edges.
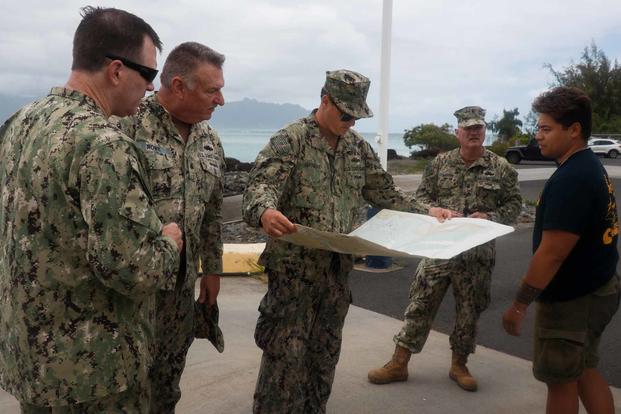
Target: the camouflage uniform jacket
(186, 181)
(81, 254)
(489, 185)
(300, 175)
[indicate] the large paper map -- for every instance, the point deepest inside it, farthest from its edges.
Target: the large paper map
(399, 234)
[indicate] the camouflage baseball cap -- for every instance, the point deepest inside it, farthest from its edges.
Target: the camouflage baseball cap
(469, 116)
(348, 90)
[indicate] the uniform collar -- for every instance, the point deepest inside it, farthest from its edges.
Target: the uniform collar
(484, 160)
(82, 98)
(158, 110)
(319, 142)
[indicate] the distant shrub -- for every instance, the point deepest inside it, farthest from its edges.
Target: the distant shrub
(499, 147)
(425, 153)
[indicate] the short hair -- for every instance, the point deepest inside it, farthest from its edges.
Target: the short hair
(184, 59)
(566, 105)
(109, 31)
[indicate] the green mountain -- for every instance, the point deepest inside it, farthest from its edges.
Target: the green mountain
(250, 113)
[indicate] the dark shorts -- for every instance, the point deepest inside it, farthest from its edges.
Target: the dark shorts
(567, 334)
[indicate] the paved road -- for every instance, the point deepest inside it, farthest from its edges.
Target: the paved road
(388, 294)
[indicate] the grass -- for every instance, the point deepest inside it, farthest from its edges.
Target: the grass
(407, 166)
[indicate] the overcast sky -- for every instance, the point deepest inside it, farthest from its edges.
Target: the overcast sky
(445, 53)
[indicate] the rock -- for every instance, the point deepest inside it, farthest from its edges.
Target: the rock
(235, 182)
(240, 232)
(392, 155)
(233, 164)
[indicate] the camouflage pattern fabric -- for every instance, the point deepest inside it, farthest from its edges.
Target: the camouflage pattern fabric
(470, 116)
(206, 318)
(174, 334)
(302, 314)
(135, 400)
(81, 255)
(348, 90)
(186, 179)
(488, 185)
(300, 331)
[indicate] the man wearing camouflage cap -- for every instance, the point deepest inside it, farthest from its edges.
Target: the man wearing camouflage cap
(82, 250)
(471, 182)
(316, 172)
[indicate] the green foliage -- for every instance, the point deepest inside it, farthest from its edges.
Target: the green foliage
(431, 137)
(508, 126)
(408, 166)
(499, 147)
(530, 124)
(601, 80)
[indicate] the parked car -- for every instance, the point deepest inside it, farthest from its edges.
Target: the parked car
(530, 152)
(606, 147)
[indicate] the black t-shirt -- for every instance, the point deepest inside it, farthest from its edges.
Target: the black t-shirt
(579, 198)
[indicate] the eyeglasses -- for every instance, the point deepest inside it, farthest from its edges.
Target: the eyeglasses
(347, 117)
(146, 72)
(344, 117)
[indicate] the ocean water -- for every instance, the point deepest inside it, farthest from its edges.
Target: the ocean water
(245, 144)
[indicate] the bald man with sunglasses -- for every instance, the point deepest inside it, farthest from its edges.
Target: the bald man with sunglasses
(316, 172)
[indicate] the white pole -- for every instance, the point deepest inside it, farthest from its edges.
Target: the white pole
(382, 134)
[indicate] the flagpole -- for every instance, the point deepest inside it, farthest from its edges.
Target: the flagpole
(382, 134)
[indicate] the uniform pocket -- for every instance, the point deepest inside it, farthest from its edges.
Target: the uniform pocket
(558, 355)
(309, 178)
(161, 171)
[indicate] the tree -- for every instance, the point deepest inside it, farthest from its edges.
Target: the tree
(431, 137)
(530, 124)
(601, 80)
(508, 126)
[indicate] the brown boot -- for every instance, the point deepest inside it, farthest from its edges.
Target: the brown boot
(460, 374)
(395, 370)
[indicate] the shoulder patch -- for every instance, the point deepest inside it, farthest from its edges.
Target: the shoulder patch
(281, 144)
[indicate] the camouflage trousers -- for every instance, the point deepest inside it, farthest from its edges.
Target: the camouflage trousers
(174, 333)
(300, 332)
(471, 278)
(132, 401)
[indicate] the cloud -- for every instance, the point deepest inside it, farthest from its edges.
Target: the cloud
(445, 53)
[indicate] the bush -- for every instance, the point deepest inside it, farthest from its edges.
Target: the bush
(431, 137)
(499, 147)
(425, 153)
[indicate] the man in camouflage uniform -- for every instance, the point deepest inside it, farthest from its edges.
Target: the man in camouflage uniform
(472, 182)
(82, 250)
(315, 172)
(185, 164)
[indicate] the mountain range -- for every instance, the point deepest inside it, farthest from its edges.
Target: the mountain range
(245, 114)
(250, 113)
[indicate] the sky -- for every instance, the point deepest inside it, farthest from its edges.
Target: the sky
(446, 54)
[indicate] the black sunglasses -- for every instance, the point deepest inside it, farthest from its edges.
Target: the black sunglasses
(146, 72)
(347, 117)
(344, 117)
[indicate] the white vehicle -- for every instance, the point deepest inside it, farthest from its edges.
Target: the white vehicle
(606, 147)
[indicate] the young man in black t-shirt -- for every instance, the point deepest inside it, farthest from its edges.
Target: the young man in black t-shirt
(572, 274)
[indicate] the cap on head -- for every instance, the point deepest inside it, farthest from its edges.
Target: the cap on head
(469, 116)
(348, 90)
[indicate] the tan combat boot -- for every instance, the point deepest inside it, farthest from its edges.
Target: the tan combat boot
(460, 374)
(395, 370)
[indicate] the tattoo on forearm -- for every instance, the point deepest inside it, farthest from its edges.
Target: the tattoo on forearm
(527, 294)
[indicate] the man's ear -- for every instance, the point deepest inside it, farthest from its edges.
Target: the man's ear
(575, 130)
(114, 72)
(178, 87)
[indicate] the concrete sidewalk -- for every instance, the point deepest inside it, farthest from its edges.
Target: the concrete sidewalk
(224, 383)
